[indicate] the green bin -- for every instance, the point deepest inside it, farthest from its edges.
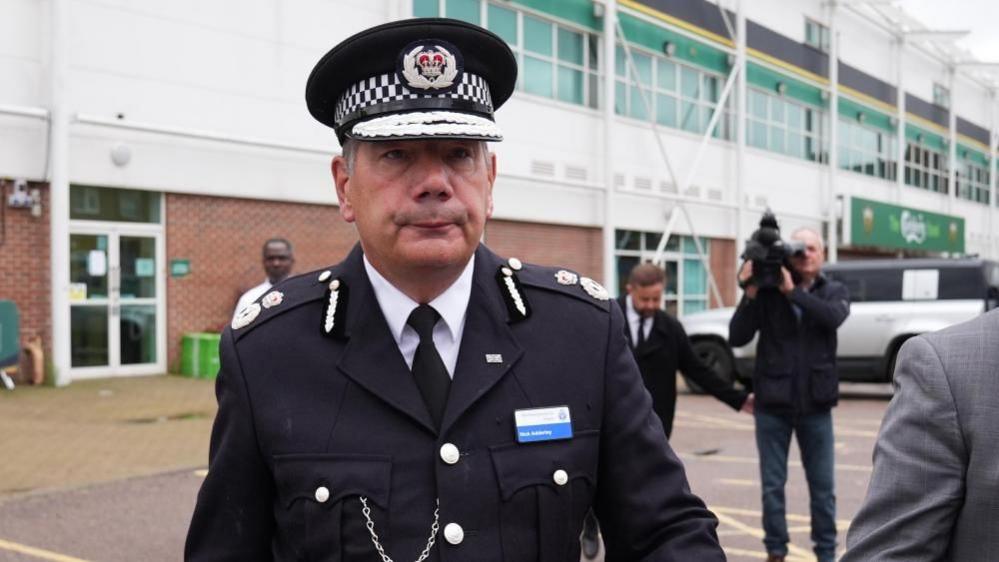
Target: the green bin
(199, 355)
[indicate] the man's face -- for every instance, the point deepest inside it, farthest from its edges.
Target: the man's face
(417, 203)
(810, 262)
(277, 261)
(646, 300)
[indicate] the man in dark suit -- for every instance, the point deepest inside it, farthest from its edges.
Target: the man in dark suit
(661, 348)
(426, 399)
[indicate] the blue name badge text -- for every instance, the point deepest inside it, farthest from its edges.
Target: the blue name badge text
(543, 424)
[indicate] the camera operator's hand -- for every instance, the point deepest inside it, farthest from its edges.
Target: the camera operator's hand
(787, 282)
(745, 275)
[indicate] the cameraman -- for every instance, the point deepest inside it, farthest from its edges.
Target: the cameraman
(796, 385)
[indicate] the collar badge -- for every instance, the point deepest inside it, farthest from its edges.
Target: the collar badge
(564, 277)
(594, 289)
(245, 316)
(272, 298)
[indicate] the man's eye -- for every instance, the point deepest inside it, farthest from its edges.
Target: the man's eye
(393, 155)
(461, 153)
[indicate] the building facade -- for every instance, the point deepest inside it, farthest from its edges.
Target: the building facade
(147, 150)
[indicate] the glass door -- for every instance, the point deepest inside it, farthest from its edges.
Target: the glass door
(116, 304)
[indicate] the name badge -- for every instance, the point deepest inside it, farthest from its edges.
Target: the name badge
(543, 424)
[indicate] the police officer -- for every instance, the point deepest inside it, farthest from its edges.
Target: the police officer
(426, 399)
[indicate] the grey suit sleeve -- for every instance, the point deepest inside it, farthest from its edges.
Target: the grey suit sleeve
(917, 486)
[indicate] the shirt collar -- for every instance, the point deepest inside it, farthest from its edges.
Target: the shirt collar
(452, 304)
(629, 307)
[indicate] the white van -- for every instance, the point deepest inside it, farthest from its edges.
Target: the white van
(890, 301)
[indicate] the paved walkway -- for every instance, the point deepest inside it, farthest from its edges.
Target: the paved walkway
(101, 431)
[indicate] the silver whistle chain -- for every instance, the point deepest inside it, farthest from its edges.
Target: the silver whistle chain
(378, 546)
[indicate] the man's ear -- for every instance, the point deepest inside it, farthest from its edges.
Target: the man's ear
(341, 178)
(491, 172)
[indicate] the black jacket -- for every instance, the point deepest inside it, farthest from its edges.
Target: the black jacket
(796, 356)
(667, 350)
(299, 411)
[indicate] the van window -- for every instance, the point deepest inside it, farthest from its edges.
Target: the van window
(962, 283)
(868, 285)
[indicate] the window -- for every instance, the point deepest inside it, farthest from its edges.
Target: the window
(681, 96)
(686, 278)
(816, 35)
(781, 125)
(866, 150)
(925, 167)
(972, 181)
(107, 204)
(941, 95)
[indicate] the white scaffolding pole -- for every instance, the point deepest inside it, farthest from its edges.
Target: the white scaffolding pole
(58, 176)
(610, 18)
(833, 165)
(681, 188)
(951, 140)
(993, 171)
(900, 118)
(741, 123)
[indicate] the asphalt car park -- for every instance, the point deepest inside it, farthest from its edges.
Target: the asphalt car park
(142, 511)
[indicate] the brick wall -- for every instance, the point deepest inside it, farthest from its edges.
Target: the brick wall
(572, 247)
(222, 238)
(722, 257)
(24, 265)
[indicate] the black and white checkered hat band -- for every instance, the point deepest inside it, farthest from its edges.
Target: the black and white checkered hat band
(380, 94)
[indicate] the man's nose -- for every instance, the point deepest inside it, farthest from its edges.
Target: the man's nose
(432, 178)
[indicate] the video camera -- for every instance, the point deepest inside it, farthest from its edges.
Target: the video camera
(769, 253)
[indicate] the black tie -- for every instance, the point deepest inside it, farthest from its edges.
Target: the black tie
(428, 368)
(641, 332)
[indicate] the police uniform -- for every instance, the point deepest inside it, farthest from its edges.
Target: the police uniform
(323, 448)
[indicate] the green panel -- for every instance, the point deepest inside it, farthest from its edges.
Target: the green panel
(10, 333)
(930, 140)
(465, 10)
(972, 155)
(763, 77)
(426, 8)
(851, 109)
(577, 11)
(653, 37)
(890, 226)
(199, 355)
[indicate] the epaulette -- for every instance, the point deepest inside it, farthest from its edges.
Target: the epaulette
(291, 293)
(564, 282)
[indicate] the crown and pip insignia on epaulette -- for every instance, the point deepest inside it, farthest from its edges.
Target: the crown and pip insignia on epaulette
(336, 306)
(565, 277)
(272, 299)
(512, 290)
(594, 289)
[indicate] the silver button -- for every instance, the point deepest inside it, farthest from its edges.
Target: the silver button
(322, 494)
(324, 276)
(450, 453)
(560, 477)
(453, 533)
(515, 264)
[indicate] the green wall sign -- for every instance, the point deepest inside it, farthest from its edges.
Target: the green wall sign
(891, 226)
(180, 267)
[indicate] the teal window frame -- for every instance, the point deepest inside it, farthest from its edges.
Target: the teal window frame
(816, 35)
(787, 126)
(866, 150)
(972, 181)
(925, 167)
(686, 288)
(682, 96)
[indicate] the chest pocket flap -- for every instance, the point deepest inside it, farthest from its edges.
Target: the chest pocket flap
(299, 476)
(520, 465)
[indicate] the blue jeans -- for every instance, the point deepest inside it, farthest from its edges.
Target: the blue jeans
(815, 439)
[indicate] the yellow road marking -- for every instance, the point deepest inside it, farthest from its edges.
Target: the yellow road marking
(738, 482)
(790, 516)
(743, 552)
(708, 422)
(795, 553)
(202, 472)
(754, 460)
(37, 552)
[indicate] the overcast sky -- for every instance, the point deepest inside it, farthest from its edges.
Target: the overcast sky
(981, 17)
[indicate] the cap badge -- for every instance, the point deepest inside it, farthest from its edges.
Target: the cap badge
(564, 277)
(272, 298)
(430, 66)
(245, 316)
(594, 289)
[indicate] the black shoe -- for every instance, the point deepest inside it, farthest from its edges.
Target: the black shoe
(591, 546)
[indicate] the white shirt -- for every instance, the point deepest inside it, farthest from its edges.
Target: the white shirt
(452, 305)
(251, 295)
(633, 319)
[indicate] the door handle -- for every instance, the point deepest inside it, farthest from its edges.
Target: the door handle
(882, 318)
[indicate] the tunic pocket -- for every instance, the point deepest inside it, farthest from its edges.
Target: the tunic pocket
(545, 488)
(312, 490)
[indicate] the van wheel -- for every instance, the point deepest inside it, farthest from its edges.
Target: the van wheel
(715, 357)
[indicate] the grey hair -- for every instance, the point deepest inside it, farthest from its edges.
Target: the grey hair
(797, 231)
